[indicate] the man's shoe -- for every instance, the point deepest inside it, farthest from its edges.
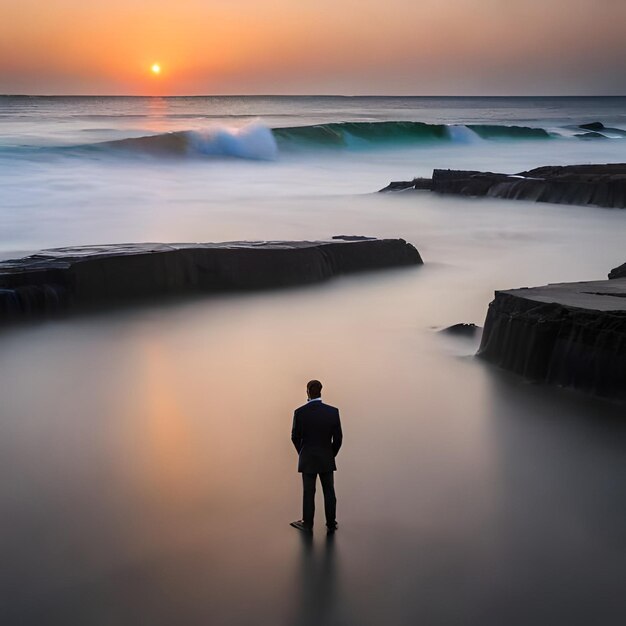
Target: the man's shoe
(331, 529)
(300, 525)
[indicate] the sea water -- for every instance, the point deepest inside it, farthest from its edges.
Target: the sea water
(147, 473)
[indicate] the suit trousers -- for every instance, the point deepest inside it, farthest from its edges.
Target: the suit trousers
(308, 500)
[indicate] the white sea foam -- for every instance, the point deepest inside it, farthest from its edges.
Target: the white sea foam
(463, 134)
(253, 141)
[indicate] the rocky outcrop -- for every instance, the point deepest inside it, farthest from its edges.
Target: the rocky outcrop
(462, 330)
(569, 334)
(598, 127)
(618, 272)
(74, 278)
(592, 126)
(599, 185)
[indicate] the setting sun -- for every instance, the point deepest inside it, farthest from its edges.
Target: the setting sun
(156, 68)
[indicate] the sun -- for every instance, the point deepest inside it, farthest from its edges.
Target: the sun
(156, 69)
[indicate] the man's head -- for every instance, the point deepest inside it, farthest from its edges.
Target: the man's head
(314, 389)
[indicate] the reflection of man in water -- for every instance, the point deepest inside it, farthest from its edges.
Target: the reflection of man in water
(316, 434)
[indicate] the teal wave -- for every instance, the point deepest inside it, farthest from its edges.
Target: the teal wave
(258, 142)
(351, 134)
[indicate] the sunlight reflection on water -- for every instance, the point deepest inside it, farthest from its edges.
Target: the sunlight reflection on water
(149, 450)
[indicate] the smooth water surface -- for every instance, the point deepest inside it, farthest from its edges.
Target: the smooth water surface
(146, 471)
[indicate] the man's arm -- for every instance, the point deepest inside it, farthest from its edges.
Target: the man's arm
(296, 433)
(337, 436)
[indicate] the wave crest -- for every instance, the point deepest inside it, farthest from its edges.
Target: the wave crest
(258, 142)
(250, 142)
(355, 134)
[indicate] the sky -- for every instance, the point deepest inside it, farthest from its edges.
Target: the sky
(350, 47)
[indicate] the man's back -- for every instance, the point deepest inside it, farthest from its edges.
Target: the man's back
(317, 436)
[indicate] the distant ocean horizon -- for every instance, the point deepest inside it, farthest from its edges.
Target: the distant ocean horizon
(88, 160)
(310, 95)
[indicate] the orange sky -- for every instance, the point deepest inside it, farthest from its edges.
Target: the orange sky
(307, 46)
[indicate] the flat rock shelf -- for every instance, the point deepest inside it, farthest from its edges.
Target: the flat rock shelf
(568, 334)
(597, 185)
(64, 279)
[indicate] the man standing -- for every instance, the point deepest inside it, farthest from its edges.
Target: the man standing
(316, 435)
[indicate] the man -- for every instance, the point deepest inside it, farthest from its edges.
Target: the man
(316, 435)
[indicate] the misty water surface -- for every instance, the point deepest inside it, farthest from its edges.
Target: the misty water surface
(148, 477)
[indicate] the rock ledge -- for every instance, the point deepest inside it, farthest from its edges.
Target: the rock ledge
(569, 334)
(72, 278)
(598, 185)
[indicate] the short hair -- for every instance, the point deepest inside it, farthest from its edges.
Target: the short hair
(314, 388)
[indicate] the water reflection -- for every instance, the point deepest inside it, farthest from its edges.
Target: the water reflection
(317, 583)
(167, 454)
(147, 467)
(559, 462)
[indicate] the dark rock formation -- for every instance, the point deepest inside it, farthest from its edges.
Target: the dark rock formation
(68, 278)
(600, 130)
(591, 135)
(600, 185)
(462, 329)
(618, 272)
(592, 126)
(416, 183)
(569, 334)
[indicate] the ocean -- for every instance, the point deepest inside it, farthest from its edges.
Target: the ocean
(147, 473)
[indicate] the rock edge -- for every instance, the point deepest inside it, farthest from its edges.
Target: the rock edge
(598, 185)
(64, 279)
(568, 334)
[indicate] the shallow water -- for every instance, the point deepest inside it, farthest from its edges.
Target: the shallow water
(146, 470)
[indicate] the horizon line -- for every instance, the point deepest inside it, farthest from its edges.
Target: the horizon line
(311, 95)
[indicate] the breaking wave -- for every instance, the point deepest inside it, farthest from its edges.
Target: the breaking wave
(258, 142)
(250, 142)
(261, 143)
(356, 134)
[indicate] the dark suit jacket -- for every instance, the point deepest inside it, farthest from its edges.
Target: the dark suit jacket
(316, 435)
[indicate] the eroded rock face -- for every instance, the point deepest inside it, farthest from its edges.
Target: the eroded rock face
(599, 185)
(68, 278)
(569, 334)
